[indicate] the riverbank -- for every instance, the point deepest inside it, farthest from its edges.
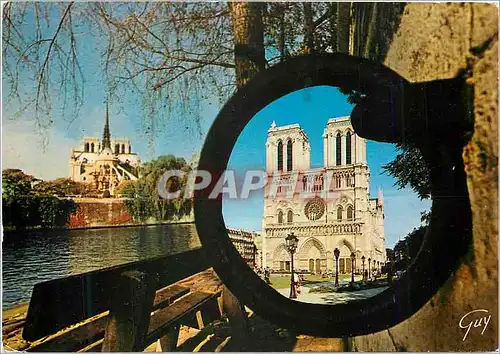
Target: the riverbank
(15, 310)
(13, 319)
(6, 230)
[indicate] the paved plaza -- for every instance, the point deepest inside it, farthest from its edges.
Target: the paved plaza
(332, 298)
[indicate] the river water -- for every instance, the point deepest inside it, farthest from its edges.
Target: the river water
(33, 257)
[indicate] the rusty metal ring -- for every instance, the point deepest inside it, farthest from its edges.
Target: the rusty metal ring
(448, 235)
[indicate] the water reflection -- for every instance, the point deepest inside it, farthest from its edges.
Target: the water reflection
(29, 258)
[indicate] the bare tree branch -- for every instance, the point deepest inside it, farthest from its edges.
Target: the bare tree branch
(42, 81)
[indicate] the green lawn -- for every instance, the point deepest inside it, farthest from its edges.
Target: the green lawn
(320, 279)
(282, 282)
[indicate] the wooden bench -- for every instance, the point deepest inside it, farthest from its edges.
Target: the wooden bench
(126, 308)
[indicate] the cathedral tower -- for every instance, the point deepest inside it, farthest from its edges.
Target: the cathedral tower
(326, 208)
(287, 149)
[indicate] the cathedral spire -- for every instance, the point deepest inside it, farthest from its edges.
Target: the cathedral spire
(106, 137)
(380, 197)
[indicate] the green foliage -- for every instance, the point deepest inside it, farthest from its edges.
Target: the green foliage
(145, 202)
(126, 189)
(61, 187)
(425, 217)
(54, 212)
(34, 211)
(20, 212)
(407, 249)
(409, 169)
(15, 182)
(140, 209)
(30, 202)
(353, 96)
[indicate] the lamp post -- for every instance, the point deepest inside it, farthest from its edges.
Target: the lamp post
(363, 262)
(369, 261)
(353, 257)
(336, 252)
(291, 242)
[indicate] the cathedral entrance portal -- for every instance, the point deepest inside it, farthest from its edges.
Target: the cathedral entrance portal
(315, 265)
(313, 256)
(281, 258)
(348, 265)
(284, 265)
(345, 257)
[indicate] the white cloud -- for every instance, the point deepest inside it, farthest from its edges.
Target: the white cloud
(23, 147)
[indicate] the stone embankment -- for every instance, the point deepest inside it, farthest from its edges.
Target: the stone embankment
(439, 41)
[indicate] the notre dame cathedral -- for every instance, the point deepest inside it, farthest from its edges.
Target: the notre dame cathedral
(104, 164)
(346, 218)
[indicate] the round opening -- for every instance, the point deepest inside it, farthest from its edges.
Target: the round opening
(382, 121)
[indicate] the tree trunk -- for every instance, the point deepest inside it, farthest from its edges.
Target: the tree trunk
(248, 33)
(355, 27)
(343, 25)
(371, 30)
(333, 26)
(308, 28)
(360, 10)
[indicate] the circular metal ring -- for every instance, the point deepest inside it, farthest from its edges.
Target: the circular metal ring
(448, 235)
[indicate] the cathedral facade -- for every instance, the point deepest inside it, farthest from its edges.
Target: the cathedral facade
(326, 208)
(104, 164)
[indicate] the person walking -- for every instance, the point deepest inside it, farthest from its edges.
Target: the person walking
(297, 283)
(266, 275)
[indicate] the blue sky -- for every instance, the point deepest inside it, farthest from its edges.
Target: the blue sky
(23, 142)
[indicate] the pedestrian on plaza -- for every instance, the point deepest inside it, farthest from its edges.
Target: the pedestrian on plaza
(297, 283)
(266, 275)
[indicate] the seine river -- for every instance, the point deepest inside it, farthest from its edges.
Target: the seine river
(30, 258)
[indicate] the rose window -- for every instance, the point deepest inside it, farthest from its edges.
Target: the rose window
(315, 209)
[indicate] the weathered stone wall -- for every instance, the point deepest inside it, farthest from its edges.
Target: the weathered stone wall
(99, 212)
(437, 41)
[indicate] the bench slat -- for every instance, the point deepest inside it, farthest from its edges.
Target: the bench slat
(73, 338)
(166, 317)
(167, 295)
(94, 347)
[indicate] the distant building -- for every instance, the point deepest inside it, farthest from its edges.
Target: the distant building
(104, 164)
(244, 242)
(348, 219)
